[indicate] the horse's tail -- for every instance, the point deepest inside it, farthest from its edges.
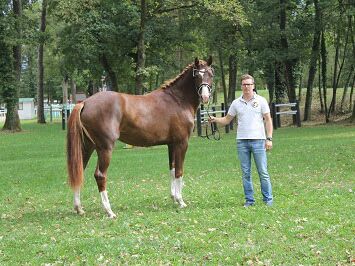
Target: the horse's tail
(75, 148)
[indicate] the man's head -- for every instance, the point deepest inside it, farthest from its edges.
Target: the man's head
(247, 83)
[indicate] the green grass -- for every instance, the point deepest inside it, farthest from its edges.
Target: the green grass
(311, 223)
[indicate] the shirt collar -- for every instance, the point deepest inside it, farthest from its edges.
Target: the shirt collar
(252, 98)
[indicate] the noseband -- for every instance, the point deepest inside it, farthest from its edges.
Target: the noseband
(199, 89)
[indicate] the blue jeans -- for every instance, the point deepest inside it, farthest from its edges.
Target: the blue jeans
(246, 147)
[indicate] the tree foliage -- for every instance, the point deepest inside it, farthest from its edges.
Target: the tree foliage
(133, 46)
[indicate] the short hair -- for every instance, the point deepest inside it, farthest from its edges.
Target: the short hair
(247, 76)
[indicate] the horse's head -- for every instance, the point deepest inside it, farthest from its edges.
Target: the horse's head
(203, 78)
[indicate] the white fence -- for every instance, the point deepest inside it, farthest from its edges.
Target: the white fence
(50, 112)
(2, 115)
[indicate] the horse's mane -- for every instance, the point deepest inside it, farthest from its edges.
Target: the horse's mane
(171, 82)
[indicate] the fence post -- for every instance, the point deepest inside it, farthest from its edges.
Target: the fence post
(50, 113)
(214, 125)
(273, 110)
(224, 114)
(298, 114)
(198, 122)
(65, 116)
(278, 117)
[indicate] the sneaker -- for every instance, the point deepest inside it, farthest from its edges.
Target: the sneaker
(248, 204)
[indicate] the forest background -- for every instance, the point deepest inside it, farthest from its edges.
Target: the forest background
(131, 46)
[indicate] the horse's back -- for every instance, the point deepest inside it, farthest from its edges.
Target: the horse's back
(142, 120)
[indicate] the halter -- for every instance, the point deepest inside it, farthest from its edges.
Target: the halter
(199, 89)
(214, 129)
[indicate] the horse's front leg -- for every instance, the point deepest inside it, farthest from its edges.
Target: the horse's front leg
(104, 157)
(177, 183)
(172, 171)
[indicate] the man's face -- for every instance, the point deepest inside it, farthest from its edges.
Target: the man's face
(247, 85)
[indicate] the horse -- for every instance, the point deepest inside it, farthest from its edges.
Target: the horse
(164, 116)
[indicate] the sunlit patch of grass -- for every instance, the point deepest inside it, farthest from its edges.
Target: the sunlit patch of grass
(312, 171)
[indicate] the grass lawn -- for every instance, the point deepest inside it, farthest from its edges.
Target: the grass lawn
(311, 222)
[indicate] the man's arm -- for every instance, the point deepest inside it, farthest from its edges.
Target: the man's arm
(269, 129)
(221, 120)
(268, 125)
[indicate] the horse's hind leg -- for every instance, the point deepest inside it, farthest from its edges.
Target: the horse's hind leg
(77, 203)
(104, 157)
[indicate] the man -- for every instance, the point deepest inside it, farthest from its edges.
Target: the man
(251, 111)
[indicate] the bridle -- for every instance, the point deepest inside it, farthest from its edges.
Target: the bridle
(199, 88)
(214, 129)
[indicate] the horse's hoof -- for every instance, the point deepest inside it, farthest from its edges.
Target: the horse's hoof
(112, 215)
(79, 211)
(182, 204)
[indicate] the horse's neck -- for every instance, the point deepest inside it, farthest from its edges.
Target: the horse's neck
(184, 90)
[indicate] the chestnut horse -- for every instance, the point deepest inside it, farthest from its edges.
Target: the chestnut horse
(164, 116)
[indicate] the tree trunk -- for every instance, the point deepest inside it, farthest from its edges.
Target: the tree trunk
(225, 96)
(65, 98)
(141, 50)
(323, 53)
(336, 58)
(351, 93)
(113, 84)
(289, 63)
(320, 87)
(7, 80)
(313, 61)
(336, 74)
(300, 87)
(232, 78)
(73, 90)
(280, 87)
(40, 93)
(345, 91)
(12, 121)
(270, 81)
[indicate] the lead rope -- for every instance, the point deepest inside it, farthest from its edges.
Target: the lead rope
(214, 129)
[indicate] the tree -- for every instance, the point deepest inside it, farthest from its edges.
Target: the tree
(140, 64)
(10, 94)
(7, 80)
(314, 57)
(40, 94)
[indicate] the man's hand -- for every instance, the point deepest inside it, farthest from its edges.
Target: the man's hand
(212, 119)
(268, 145)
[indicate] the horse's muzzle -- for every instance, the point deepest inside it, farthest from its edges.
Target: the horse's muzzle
(205, 92)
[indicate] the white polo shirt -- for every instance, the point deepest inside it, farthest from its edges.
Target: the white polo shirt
(250, 116)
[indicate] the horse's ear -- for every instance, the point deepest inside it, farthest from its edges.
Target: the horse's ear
(209, 61)
(197, 62)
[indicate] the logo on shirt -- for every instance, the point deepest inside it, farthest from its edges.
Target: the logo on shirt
(255, 104)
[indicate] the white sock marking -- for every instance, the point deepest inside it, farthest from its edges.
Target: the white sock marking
(172, 184)
(178, 185)
(106, 204)
(77, 204)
